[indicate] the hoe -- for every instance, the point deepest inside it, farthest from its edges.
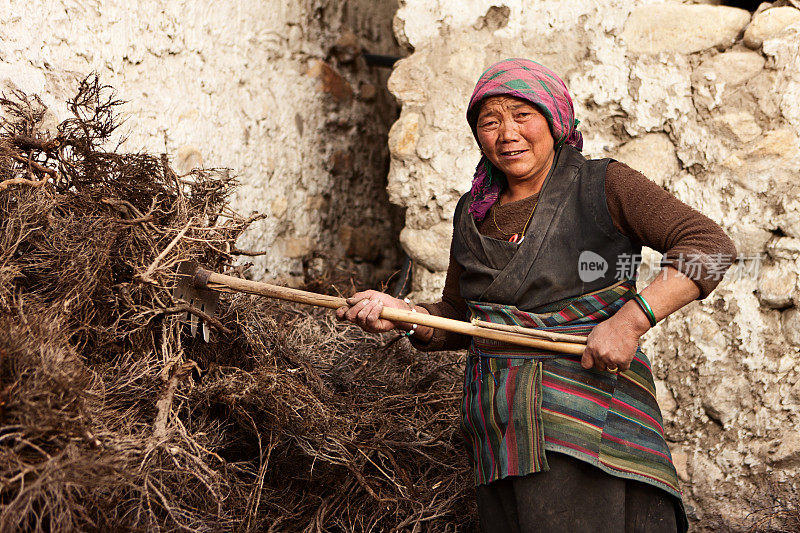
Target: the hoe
(200, 288)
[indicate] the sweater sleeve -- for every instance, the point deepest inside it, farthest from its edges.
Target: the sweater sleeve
(649, 215)
(452, 305)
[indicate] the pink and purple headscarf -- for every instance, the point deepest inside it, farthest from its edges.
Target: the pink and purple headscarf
(538, 85)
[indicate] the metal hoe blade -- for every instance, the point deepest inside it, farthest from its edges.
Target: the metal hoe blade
(202, 298)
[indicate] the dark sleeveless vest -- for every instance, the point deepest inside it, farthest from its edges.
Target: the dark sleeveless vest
(571, 247)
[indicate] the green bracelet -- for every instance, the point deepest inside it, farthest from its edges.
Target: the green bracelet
(651, 317)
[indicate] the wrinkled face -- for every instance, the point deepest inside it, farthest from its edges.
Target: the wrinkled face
(515, 137)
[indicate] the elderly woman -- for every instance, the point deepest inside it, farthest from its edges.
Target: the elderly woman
(561, 443)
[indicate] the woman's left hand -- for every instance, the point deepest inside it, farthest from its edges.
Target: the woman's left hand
(612, 343)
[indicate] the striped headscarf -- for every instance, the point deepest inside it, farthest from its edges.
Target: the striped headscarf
(538, 85)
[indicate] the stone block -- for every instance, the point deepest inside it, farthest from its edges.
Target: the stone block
(705, 469)
(749, 239)
(495, 18)
(410, 80)
(739, 125)
(704, 334)
(331, 82)
(682, 28)
(786, 450)
(187, 159)
(429, 248)
(784, 248)
(296, 247)
(652, 154)
(789, 220)
(317, 202)
(666, 401)
(681, 461)
(724, 400)
(790, 325)
(782, 142)
(404, 135)
(762, 87)
(794, 392)
(427, 285)
(278, 207)
(769, 23)
(732, 68)
(659, 93)
(21, 77)
(776, 284)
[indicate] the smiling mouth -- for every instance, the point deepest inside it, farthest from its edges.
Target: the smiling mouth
(512, 152)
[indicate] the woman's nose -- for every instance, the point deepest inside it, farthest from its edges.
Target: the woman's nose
(508, 131)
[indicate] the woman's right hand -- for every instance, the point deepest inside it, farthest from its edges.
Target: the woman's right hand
(364, 309)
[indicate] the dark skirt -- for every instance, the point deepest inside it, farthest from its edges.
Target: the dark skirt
(577, 497)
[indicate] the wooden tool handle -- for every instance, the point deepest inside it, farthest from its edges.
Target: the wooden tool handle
(459, 326)
(550, 335)
(223, 283)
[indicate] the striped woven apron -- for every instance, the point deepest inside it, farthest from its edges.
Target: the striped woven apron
(519, 403)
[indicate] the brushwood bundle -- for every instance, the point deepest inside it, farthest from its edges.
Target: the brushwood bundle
(113, 418)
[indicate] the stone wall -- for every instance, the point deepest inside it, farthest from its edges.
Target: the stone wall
(703, 99)
(277, 91)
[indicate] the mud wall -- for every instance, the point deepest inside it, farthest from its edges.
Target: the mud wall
(703, 99)
(277, 91)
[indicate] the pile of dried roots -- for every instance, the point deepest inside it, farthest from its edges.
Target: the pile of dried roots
(113, 418)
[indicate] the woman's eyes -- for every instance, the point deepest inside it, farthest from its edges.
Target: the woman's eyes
(518, 116)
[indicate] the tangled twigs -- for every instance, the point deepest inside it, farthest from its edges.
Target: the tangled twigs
(31, 167)
(83, 341)
(290, 421)
(126, 208)
(36, 166)
(131, 214)
(146, 277)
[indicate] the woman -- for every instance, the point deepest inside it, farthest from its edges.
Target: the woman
(560, 443)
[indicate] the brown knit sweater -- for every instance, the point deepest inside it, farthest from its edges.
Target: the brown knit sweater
(641, 210)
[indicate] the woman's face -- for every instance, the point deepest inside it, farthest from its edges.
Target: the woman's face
(515, 137)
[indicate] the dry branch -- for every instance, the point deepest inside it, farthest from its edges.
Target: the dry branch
(5, 184)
